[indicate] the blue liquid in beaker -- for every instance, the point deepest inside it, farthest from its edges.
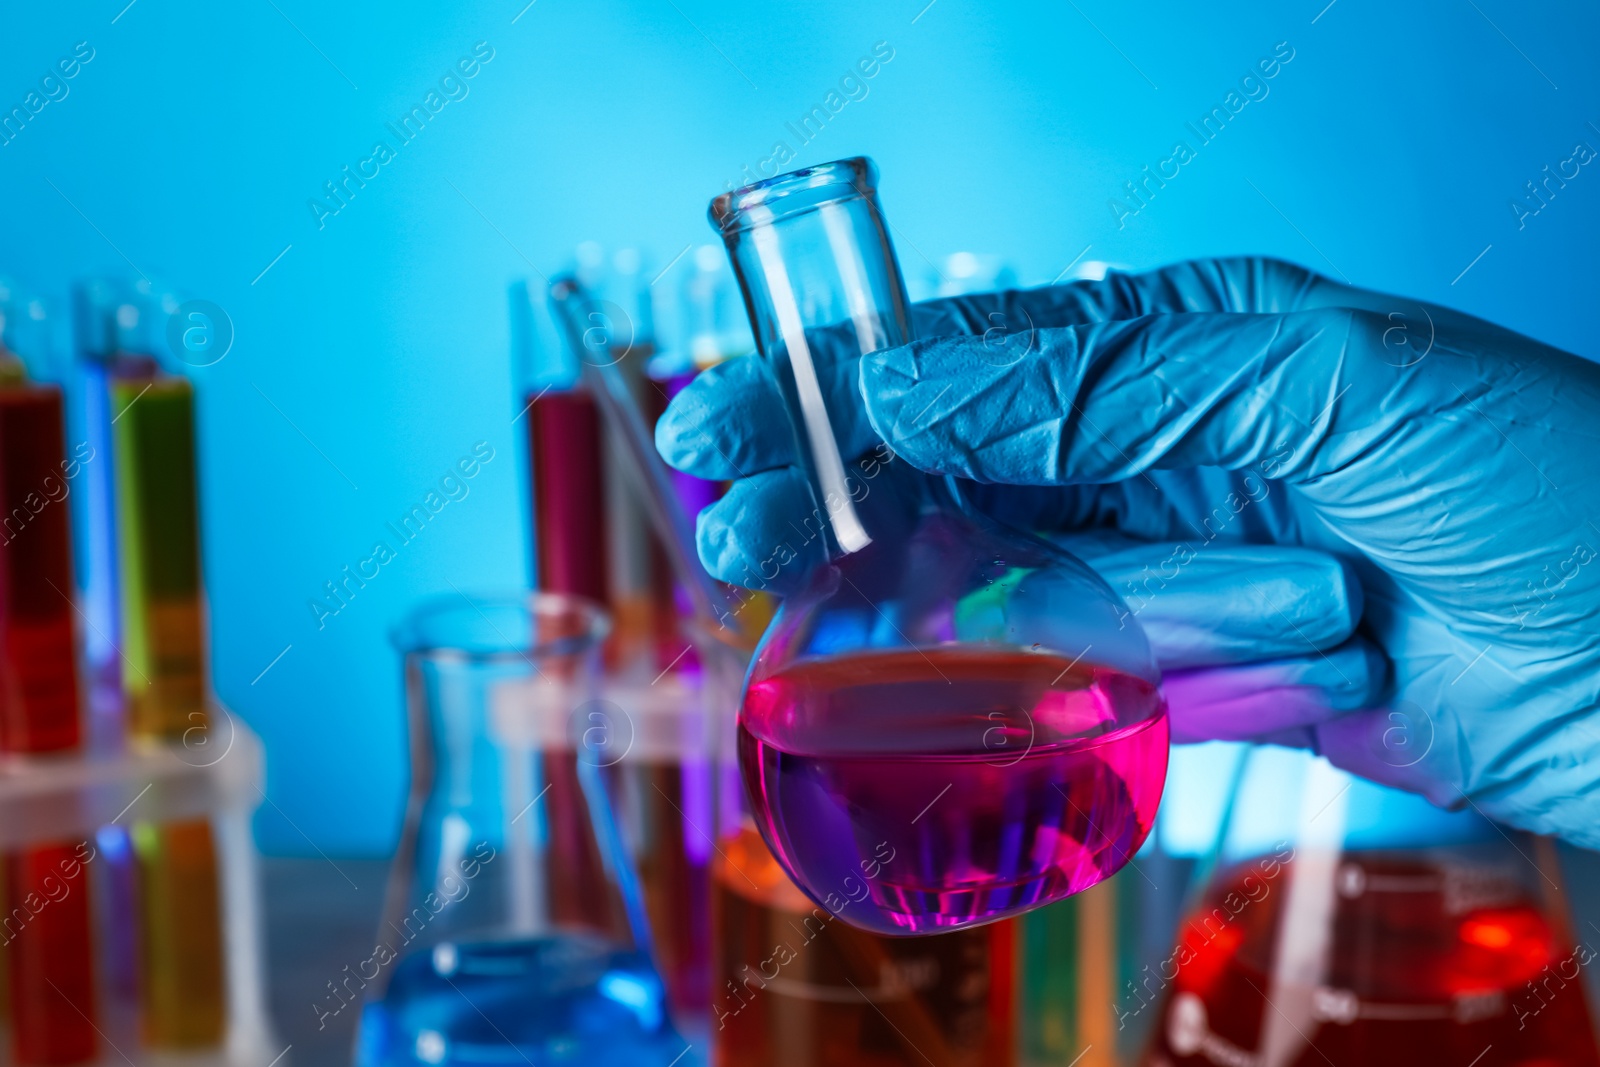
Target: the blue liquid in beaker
(543, 1001)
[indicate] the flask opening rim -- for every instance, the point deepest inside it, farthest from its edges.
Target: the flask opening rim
(794, 193)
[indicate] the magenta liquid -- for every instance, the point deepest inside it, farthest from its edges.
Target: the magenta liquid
(918, 791)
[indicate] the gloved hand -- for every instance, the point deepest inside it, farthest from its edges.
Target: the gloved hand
(1242, 428)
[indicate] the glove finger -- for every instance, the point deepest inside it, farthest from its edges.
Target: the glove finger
(762, 533)
(730, 422)
(1110, 401)
(1223, 603)
(1242, 703)
(727, 423)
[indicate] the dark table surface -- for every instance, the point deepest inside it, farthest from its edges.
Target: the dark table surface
(321, 916)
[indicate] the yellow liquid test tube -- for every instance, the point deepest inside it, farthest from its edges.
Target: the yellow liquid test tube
(183, 1001)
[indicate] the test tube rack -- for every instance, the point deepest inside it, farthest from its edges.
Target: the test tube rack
(216, 776)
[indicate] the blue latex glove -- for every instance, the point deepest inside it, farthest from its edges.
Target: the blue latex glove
(1254, 425)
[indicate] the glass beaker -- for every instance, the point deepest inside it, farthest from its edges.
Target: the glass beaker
(1358, 925)
(513, 927)
(792, 986)
(961, 711)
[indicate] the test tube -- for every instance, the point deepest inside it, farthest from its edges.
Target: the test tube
(569, 523)
(94, 309)
(46, 933)
(50, 957)
(154, 444)
(627, 340)
(569, 527)
(568, 501)
(38, 675)
(563, 442)
(182, 972)
(158, 565)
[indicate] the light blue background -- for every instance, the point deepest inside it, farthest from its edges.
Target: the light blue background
(1388, 151)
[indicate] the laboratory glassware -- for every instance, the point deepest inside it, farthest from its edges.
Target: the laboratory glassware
(564, 464)
(652, 722)
(1346, 923)
(1080, 961)
(670, 375)
(1073, 955)
(513, 925)
(618, 335)
(100, 353)
(712, 329)
(958, 709)
(711, 323)
(653, 745)
(49, 950)
(564, 451)
(74, 915)
(661, 781)
(592, 537)
(39, 708)
(793, 985)
(154, 463)
(78, 917)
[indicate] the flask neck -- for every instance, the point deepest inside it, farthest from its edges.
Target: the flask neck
(822, 288)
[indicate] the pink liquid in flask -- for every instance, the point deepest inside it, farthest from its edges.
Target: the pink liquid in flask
(921, 790)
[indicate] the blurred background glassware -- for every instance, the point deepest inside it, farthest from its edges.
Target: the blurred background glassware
(40, 705)
(513, 922)
(139, 934)
(147, 652)
(592, 536)
(1357, 924)
(652, 743)
(647, 724)
(959, 274)
(936, 651)
(711, 321)
(1082, 961)
(565, 465)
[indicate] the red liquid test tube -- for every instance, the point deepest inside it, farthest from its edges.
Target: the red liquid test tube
(568, 494)
(50, 960)
(38, 672)
(49, 955)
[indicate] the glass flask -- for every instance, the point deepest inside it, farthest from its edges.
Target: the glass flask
(513, 929)
(1344, 923)
(960, 711)
(793, 986)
